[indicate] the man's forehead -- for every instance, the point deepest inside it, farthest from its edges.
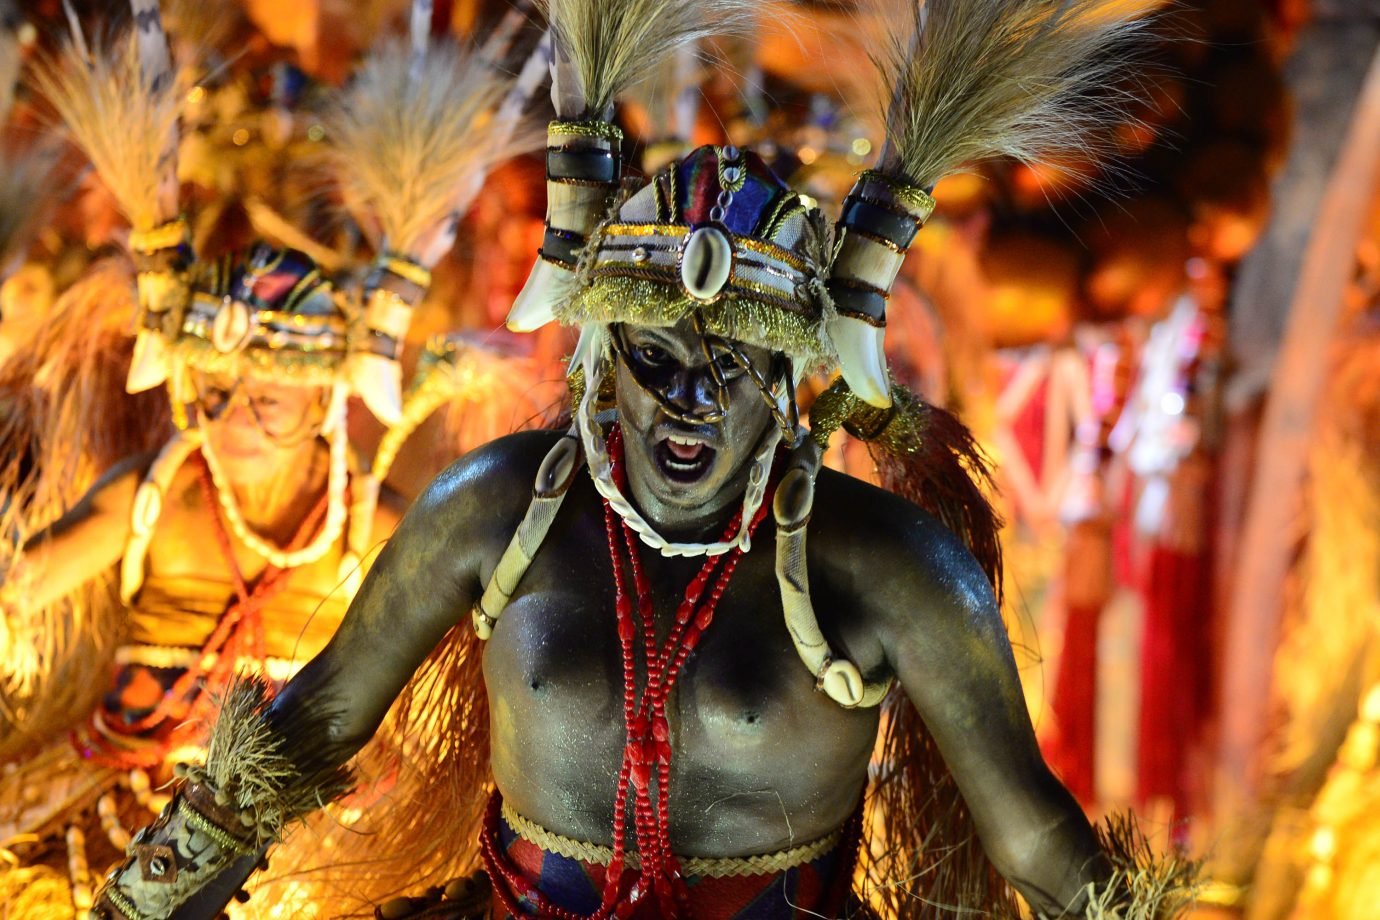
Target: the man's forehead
(222, 381)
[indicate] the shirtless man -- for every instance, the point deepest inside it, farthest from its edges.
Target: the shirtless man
(740, 755)
(762, 761)
(677, 724)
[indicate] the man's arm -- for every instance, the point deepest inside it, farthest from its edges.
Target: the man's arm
(81, 544)
(943, 635)
(426, 579)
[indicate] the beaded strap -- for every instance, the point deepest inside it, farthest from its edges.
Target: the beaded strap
(837, 677)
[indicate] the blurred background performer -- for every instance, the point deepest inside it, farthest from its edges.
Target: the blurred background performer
(237, 544)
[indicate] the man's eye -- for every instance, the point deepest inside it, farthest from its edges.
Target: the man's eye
(651, 354)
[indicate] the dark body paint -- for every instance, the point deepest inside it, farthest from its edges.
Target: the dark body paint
(762, 760)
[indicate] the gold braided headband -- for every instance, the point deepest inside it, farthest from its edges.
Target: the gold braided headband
(164, 236)
(920, 202)
(599, 129)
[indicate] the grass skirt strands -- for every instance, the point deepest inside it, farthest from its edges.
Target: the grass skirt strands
(64, 421)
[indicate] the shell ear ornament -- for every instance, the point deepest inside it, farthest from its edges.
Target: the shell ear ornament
(862, 360)
(587, 349)
(378, 381)
(149, 366)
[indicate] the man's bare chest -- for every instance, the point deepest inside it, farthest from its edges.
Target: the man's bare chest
(743, 707)
(192, 541)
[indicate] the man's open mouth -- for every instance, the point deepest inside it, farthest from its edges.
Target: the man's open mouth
(683, 459)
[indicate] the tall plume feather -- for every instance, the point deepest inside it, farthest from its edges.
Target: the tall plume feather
(26, 187)
(9, 57)
(123, 121)
(614, 44)
(404, 147)
(1030, 79)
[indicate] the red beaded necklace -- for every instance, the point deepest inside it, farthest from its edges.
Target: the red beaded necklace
(646, 769)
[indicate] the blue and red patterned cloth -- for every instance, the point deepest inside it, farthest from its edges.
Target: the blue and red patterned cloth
(818, 888)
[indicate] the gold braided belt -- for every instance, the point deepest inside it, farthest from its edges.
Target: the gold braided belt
(694, 866)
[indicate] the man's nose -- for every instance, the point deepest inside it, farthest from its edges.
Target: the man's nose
(694, 392)
(237, 410)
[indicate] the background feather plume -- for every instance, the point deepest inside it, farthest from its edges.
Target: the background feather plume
(9, 64)
(25, 187)
(405, 143)
(614, 44)
(124, 123)
(1029, 79)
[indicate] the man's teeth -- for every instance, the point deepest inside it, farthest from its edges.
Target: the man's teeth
(685, 450)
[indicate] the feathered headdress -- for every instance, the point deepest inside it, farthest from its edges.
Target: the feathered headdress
(969, 79)
(602, 47)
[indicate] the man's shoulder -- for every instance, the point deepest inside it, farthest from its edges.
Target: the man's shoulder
(855, 515)
(871, 536)
(493, 480)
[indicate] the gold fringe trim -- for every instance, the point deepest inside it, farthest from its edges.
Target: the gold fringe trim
(601, 130)
(650, 303)
(696, 866)
(920, 202)
(898, 429)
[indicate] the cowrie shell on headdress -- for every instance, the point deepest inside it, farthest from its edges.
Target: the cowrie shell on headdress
(706, 263)
(230, 328)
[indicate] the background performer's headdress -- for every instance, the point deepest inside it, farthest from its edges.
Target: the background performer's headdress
(413, 136)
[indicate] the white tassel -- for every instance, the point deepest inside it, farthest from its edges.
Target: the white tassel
(592, 342)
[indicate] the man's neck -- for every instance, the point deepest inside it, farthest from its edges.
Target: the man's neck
(701, 524)
(276, 505)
